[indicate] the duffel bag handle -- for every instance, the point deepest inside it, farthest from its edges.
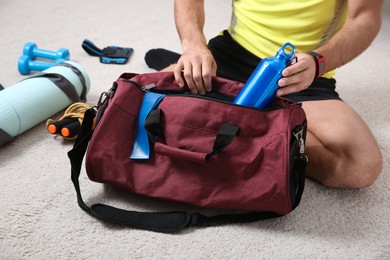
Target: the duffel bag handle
(224, 138)
(166, 222)
(196, 157)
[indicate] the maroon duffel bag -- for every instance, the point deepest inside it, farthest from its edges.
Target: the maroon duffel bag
(203, 150)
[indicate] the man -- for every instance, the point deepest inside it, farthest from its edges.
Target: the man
(341, 149)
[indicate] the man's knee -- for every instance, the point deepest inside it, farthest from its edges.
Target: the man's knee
(368, 172)
(360, 173)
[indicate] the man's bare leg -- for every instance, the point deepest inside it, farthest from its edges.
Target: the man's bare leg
(341, 149)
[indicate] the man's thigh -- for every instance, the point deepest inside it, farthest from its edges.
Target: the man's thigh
(340, 146)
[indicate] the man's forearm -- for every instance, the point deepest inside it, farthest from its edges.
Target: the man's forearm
(357, 34)
(189, 19)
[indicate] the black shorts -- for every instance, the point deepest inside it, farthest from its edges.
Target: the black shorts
(236, 63)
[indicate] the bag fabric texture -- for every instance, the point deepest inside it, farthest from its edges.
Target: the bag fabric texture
(204, 151)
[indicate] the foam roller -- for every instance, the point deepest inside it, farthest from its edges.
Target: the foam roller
(35, 99)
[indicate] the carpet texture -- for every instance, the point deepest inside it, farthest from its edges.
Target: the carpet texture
(39, 216)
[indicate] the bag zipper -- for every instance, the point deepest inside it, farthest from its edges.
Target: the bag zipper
(150, 87)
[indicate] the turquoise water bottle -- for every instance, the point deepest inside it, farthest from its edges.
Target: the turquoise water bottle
(262, 85)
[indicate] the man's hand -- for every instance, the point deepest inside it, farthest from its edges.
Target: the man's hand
(298, 76)
(196, 63)
(197, 66)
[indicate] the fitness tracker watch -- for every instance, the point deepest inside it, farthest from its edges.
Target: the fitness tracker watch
(320, 63)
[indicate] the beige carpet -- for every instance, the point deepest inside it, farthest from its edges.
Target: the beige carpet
(39, 216)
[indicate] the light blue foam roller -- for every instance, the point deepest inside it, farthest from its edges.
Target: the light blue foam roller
(35, 99)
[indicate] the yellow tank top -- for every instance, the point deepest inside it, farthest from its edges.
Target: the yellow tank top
(263, 26)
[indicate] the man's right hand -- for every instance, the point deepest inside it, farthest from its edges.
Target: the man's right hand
(197, 65)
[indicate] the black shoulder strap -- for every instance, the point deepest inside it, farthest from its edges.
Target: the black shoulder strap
(166, 222)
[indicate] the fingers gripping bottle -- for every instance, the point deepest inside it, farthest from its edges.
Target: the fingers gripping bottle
(262, 85)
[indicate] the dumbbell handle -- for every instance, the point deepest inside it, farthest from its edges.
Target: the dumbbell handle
(30, 49)
(25, 65)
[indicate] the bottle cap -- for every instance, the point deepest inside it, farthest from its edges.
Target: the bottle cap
(287, 51)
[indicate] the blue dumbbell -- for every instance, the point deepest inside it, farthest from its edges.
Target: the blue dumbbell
(25, 64)
(30, 49)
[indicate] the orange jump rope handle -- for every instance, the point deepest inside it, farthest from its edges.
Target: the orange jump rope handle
(55, 127)
(71, 130)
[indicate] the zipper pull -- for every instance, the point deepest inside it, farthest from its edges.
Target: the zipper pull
(301, 142)
(102, 99)
(147, 88)
(107, 95)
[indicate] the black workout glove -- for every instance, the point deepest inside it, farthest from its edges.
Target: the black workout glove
(110, 54)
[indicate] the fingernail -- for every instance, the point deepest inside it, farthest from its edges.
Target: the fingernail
(181, 85)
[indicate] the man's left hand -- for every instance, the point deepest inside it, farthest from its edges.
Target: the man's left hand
(298, 76)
